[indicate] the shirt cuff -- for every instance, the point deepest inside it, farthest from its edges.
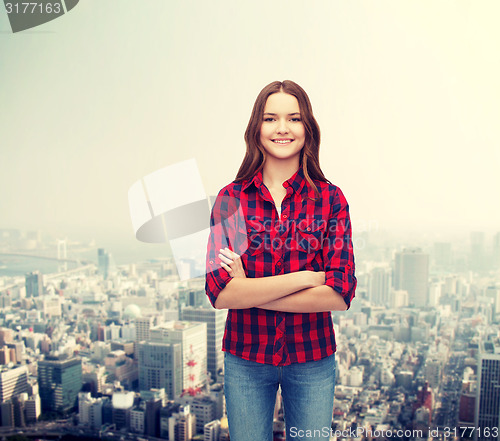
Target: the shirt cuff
(344, 282)
(216, 281)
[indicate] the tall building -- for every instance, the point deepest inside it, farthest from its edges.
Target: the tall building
(142, 327)
(13, 381)
(433, 370)
(16, 351)
(216, 322)
(34, 284)
(33, 408)
(160, 366)
(493, 293)
(104, 262)
(380, 285)
(6, 336)
(211, 431)
(137, 418)
(192, 337)
(182, 424)
(60, 380)
(152, 417)
(488, 393)
(203, 409)
(4, 355)
(411, 273)
(89, 410)
(123, 403)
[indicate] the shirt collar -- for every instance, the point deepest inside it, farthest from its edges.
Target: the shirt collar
(297, 181)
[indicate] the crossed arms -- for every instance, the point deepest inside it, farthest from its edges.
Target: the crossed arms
(302, 291)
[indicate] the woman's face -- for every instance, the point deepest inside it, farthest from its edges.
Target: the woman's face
(282, 133)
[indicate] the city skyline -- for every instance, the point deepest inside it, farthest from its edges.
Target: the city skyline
(399, 361)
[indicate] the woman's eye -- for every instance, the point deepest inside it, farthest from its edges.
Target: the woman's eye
(296, 119)
(268, 119)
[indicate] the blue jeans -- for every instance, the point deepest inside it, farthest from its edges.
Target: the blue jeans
(307, 390)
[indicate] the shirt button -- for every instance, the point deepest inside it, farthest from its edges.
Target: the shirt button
(278, 264)
(285, 216)
(211, 262)
(249, 230)
(308, 229)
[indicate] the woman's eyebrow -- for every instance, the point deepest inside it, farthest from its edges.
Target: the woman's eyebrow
(275, 114)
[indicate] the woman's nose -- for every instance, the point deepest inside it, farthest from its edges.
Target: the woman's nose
(282, 127)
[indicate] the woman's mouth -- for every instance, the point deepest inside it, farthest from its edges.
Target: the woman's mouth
(282, 141)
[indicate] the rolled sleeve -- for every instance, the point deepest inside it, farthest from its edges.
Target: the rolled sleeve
(338, 255)
(217, 277)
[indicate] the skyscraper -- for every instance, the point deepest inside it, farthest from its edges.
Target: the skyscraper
(216, 321)
(13, 382)
(160, 366)
(488, 392)
(411, 273)
(104, 262)
(142, 327)
(34, 284)
(59, 380)
(380, 283)
(192, 337)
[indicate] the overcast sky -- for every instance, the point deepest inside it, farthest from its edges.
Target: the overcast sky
(406, 95)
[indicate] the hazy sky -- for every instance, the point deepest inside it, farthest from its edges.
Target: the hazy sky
(406, 94)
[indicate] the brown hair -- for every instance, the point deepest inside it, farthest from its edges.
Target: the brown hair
(255, 155)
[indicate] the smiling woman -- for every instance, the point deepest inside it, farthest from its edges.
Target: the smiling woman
(294, 265)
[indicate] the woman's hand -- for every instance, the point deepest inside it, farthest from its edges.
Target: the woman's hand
(319, 278)
(231, 262)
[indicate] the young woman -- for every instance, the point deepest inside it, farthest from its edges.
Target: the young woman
(280, 258)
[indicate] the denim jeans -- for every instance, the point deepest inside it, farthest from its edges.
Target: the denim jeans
(307, 390)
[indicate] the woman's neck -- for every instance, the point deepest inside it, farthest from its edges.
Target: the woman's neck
(275, 172)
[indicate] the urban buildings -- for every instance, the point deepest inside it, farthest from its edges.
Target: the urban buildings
(13, 381)
(34, 284)
(160, 366)
(192, 337)
(488, 398)
(411, 273)
(216, 322)
(60, 380)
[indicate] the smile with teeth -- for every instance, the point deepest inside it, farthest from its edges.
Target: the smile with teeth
(282, 141)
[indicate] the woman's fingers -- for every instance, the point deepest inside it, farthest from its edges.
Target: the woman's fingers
(224, 259)
(231, 262)
(229, 253)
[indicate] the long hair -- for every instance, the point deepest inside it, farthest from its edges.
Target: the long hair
(255, 155)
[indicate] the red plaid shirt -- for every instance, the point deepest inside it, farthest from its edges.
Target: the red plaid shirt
(309, 235)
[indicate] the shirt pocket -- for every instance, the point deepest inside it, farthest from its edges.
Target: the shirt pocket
(309, 234)
(256, 238)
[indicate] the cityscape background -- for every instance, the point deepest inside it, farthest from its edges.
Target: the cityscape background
(98, 336)
(90, 348)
